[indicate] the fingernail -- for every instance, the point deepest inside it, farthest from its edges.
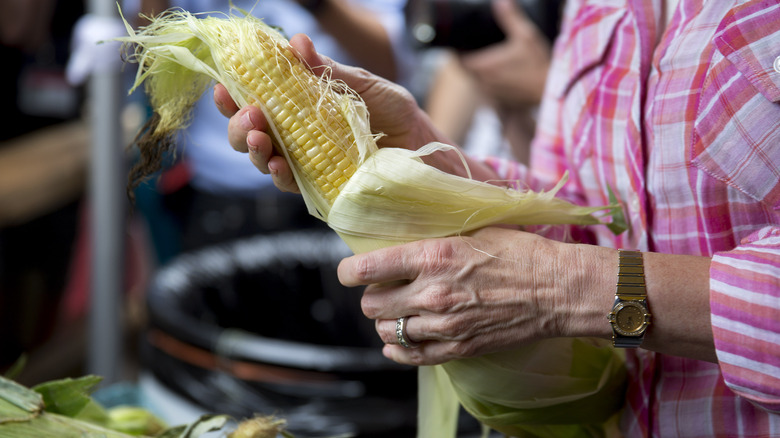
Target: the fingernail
(251, 143)
(246, 122)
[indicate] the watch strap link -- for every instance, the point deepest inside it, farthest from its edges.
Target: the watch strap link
(631, 276)
(627, 341)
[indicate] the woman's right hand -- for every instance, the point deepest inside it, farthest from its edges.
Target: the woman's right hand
(393, 112)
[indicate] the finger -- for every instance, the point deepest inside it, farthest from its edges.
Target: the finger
(356, 78)
(246, 119)
(388, 300)
(421, 328)
(282, 174)
(260, 148)
(384, 265)
(429, 353)
(511, 18)
(387, 331)
(306, 52)
(224, 102)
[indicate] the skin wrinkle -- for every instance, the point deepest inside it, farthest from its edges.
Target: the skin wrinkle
(574, 290)
(514, 315)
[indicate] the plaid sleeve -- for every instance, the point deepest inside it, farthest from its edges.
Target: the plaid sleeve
(745, 308)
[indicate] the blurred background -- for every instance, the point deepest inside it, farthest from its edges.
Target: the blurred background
(212, 291)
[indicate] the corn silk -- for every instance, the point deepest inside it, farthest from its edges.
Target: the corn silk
(557, 387)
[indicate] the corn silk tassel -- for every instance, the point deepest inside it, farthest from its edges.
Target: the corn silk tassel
(375, 198)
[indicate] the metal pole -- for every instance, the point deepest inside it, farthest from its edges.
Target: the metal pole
(107, 203)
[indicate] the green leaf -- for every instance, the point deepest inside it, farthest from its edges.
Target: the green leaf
(48, 425)
(20, 396)
(17, 367)
(173, 432)
(618, 224)
(67, 396)
(134, 420)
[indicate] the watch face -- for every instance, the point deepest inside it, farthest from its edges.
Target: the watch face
(631, 318)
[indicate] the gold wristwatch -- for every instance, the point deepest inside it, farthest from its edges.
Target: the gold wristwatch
(629, 316)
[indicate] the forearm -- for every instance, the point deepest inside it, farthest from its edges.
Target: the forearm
(677, 296)
(452, 100)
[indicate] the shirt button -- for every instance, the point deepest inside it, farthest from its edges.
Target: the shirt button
(635, 203)
(777, 64)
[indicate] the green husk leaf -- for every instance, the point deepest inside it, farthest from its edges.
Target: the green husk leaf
(173, 432)
(64, 409)
(48, 425)
(618, 224)
(395, 197)
(134, 420)
(67, 396)
(16, 369)
(582, 377)
(206, 423)
(14, 395)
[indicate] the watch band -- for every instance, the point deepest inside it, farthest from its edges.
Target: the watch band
(630, 291)
(631, 276)
(620, 341)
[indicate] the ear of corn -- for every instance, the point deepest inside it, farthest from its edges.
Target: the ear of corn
(320, 127)
(373, 198)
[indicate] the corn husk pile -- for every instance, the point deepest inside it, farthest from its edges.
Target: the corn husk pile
(560, 387)
(64, 409)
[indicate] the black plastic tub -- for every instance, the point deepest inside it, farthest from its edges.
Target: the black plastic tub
(262, 326)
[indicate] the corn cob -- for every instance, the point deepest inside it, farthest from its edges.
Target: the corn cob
(319, 140)
(309, 116)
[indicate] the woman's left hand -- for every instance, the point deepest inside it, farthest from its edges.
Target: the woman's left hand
(465, 296)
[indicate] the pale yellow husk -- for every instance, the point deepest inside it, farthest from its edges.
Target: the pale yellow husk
(560, 387)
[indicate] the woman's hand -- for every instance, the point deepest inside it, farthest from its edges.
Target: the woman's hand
(394, 113)
(494, 290)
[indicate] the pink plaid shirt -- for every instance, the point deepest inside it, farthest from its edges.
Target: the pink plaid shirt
(685, 128)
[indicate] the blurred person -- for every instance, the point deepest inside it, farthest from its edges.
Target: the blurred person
(44, 157)
(215, 194)
(498, 87)
(35, 45)
(671, 105)
(39, 195)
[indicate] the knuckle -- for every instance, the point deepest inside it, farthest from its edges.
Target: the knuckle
(438, 298)
(436, 255)
(364, 269)
(369, 309)
(462, 349)
(387, 337)
(418, 358)
(448, 328)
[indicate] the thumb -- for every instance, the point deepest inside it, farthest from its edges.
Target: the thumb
(511, 18)
(355, 78)
(306, 52)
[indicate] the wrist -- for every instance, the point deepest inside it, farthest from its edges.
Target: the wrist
(589, 290)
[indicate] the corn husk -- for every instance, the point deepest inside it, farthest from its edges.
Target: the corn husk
(560, 387)
(64, 409)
